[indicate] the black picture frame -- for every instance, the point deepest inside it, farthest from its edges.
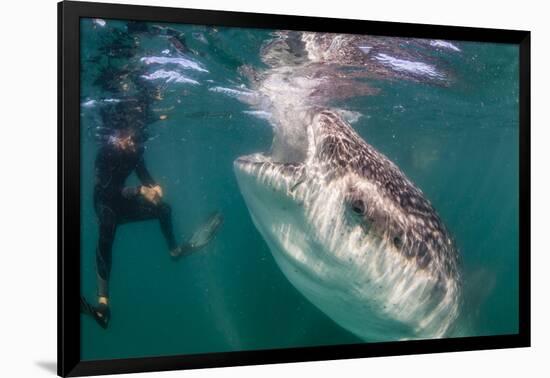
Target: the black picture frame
(69, 14)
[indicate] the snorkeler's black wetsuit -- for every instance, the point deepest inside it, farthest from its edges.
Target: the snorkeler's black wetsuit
(116, 204)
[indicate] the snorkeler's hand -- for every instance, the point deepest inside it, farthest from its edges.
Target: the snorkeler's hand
(152, 194)
(158, 189)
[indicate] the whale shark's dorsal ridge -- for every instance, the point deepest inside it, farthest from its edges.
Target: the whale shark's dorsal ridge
(346, 226)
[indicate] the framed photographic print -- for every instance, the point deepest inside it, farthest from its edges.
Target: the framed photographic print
(241, 188)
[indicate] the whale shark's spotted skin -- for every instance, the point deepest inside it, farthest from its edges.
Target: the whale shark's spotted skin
(348, 229)
(421, 235)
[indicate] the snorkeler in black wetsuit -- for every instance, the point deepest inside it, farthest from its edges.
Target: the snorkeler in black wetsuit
(117, 204)
(120, 154)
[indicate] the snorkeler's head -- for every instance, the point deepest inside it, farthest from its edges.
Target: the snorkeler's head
(124, 124)
(124, 140)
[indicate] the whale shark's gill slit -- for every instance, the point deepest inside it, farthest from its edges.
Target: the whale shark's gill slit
(296, 185)
(300, 181)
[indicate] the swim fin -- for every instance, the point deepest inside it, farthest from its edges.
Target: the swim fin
(202, 236)
(85, 307)
(101, 313)
(206, 232)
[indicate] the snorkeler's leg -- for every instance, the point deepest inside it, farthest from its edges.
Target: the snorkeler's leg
(165, 219)
(104, 257)
(107, 230)
(137, 208)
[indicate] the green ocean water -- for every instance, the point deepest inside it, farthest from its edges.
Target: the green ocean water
(459, 144)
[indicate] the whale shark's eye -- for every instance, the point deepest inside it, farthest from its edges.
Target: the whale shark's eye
(397, 241)
(358, 206)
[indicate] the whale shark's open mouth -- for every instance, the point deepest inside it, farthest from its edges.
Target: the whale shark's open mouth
(281, 177)
(283, 168)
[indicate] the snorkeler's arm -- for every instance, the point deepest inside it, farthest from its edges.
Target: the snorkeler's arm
(151, 193)
(150, 189)
(143, 174)
(131, 191)
(145, 178)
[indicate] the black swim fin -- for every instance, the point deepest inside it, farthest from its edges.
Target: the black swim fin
(101, 313)
(202, 236)
(85, 307)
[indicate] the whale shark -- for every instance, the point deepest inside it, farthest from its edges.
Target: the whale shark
(354, 235)
(346, 226)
